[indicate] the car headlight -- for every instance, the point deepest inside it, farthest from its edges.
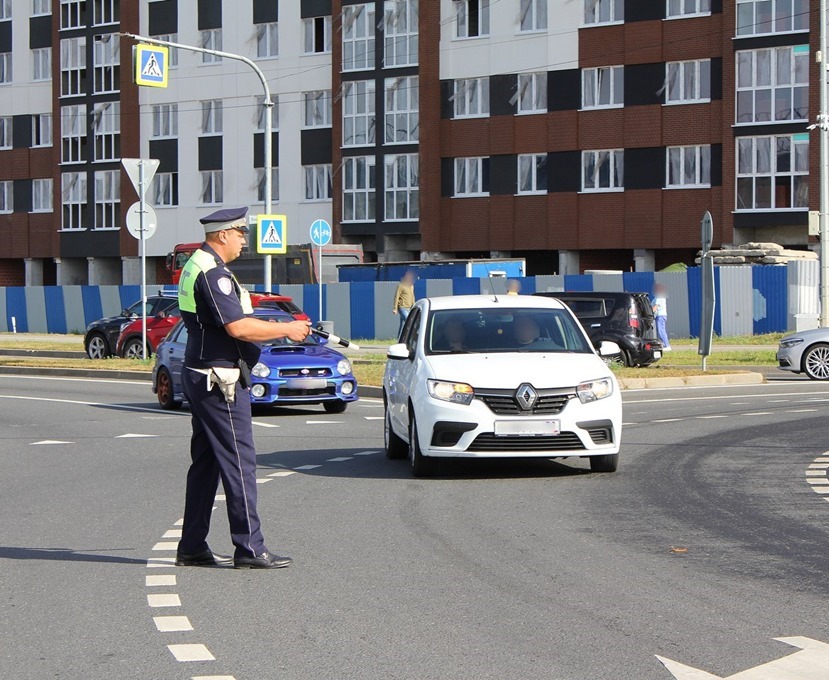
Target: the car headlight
(790, 342)
(261, 370)
(343, 367)
(123, 326)
(594, 390)
(457, 393)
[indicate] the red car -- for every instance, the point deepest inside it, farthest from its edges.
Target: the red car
(129, 341)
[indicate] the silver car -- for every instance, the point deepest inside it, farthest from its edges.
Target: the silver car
(806, 352)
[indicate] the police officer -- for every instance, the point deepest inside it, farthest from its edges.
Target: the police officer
(220, 337)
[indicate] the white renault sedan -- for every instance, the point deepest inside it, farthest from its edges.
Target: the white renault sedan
(496, 377)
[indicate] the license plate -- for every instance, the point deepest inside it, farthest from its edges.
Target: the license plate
(657, 354)
(524, 428)
(306, 383)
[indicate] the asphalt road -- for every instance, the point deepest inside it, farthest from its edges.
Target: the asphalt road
(706, 544)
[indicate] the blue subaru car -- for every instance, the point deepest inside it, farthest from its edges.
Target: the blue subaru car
(288, 373)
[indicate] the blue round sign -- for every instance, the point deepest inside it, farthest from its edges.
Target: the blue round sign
(320, 233)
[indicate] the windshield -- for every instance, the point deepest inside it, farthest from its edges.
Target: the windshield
(310, 340)
(462, 331)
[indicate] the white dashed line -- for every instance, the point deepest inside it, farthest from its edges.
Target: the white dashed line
(709, 417)
(163, 600)
(373, 417)
(161, 562)
(256, 422)
(822, 481)
(166, 545)
(630, 423)
(757, 413)
(366, 453)
(160, 580)
(179, 522)
(667, 420)
(819, 466)
(131, 435)
(802, 410)
(816, 473)
(172, 533)
(307, 467)
(171, 624)
(778, 401)
(47, 442)
(323, 422)
(339, 460)
(191, 653)
(282, 473)
(263, 480)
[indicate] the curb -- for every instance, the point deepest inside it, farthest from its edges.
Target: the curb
(692, 381)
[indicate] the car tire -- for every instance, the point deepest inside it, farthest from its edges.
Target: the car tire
(815, 361)
(421, 465)
(164, 390)
(97, 346)
(334, 406)
(622, 359)
(132, 349)
(396, 448)
(606, 463)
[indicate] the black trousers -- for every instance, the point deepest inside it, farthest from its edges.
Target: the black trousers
(221, 446)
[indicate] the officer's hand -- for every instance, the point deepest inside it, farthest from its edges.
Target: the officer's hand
(298, 330)
(394, 311)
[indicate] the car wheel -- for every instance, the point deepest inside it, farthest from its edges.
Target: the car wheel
(395, 446)
(420, 464)
(606, 463)
(132, 350)
(622, 359)
(816, 362)
(97, 347)
(334, 406)
(164, 390)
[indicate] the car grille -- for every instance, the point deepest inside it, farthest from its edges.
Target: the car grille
(489, 442)
(298, 372)
(322, 392)
(504, 403)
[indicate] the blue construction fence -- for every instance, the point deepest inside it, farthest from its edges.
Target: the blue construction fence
(750, 299)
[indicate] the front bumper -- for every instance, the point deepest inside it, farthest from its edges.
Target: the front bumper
(303, 390)
(788, 358)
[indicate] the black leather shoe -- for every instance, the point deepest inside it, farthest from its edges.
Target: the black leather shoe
(266, 560)
(203, 559)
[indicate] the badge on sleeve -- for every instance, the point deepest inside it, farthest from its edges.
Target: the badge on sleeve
(225, 285)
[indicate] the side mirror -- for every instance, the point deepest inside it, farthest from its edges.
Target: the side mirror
(398, 351)
(609, 349)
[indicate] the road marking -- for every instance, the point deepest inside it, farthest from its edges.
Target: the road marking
(163, 600)
(124, 407)
(709, 417)
(179, 522)
(822, 460)
(263, 480)
(171, 624)
(160, 580)
(373, 417)
(323, 422)
(155, 562)
(758, 413)
(819, 466)
(282, 473)
(630, 423)
(778, 401)
(801, 410)
(339, 460)
(172, 533)
(818, 480)
(307, 467)
(191, 653)
(667, 420)
(220, 497)
(708, 398)
(166, 545)
(366, 453)
(212, 677)
(132, 435)
(256, 422)
(816, 473)
(821, 489)
(49, 441)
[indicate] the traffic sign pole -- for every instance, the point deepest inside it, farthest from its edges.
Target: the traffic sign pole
(320, 236)
(143, 260)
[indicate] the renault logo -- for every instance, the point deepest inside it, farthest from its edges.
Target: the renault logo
(526, 396)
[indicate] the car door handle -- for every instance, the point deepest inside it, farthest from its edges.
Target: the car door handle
(595, 325)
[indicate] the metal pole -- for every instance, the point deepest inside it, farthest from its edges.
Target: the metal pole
(141, 225)
(823, 124)
(319, 273)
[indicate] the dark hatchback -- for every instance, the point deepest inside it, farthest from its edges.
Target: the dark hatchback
(623, 318)
(101, 336)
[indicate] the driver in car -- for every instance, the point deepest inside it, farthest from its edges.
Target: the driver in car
(525, 329)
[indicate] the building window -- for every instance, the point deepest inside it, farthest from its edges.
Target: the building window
(165, 189)
(317, 182)
(6, 67)
(42, 195)
(72, 66)
(402, 110)
(688, 82)
(172, 54)
(358, 189)
(211, 117)
(211, 40)
(42, 63)
(773, 84)
(72, 14)
(260, 184)
(471, 176)
(533, 16)
(602, 170)
(105, 12)
(73, 134)
(684, 8)
(106, 127)
(317, 35)
(604, 11)
(401, 33)
(267, 40)
(603, 87)
(358, 37)
(107, 57)
(6, 197)
(211, 187)
(318, 110)
(358, 113)
(260, 113)
(688, 167)
(471, 98)
(532, 173)
(73, 199)
(5, 10)
(532, 93)
(41, 7)
(773, 172)
(402, 187)
(107, 199)
(42, 129)
(758, 17)
(5, 132)
(471, 18)
(165, 120)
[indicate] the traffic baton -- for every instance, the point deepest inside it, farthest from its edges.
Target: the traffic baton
(334, 338)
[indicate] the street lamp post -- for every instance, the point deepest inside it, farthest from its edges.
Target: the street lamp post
(823, 125)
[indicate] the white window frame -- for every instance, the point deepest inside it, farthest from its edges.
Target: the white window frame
(211, 117)
(165, 190)
(260, 113)
(469, 178)
(6, 68)
(267, 40)
(401, 33)
(592, 84)
(6, 139)
(172, 52)
(165, 121)
(752, 81)
(310, 42)
(71, 14)
(43, 195)
(42, 64)
(463, 12)
(105, 12)
(402, 188)
(72, 66)
(604, 12)
(688, 82)
(597, 158)
(5, 10)
(527, 176)
(318, 186)
(6, 197)
(106, 131)
(260, 185)
(471, 98)
(751, 165)
(210, 39)
(681, 9)
(42, 130)
(41, 8)
(531, 96)
(689, 166)
(73, 200)
(359, 187)
(532, 16)
(402, 110)
(73, 133)
(212, 187)
(317, 109)
(359, 117)
(107, 199)
(358, 41)
(750, 24)
(106, 57)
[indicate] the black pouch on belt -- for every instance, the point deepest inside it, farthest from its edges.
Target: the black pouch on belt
(244, 374)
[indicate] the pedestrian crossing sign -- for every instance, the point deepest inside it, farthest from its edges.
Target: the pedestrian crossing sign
(151, 63)
(271, 234)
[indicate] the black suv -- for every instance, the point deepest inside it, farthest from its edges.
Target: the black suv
(623, 318)
(102, 335)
